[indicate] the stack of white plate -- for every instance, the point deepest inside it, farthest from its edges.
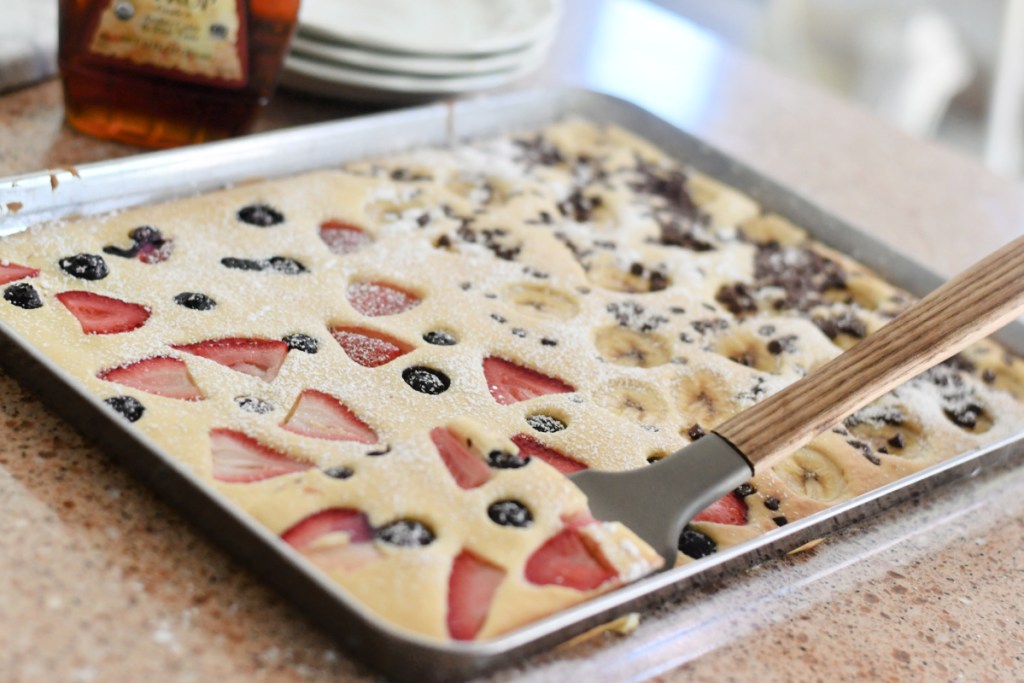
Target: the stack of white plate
(415, 50)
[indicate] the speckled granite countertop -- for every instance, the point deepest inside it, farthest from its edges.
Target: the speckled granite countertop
(103, 582)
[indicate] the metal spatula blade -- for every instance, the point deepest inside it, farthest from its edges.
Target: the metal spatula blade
(693, 477)
(657, 501)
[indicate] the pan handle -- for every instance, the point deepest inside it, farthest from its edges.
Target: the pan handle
(972, 305)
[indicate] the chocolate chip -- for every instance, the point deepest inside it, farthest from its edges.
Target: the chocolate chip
(780, 520)
(377, 452)
(499, 318)
(695, 432)
(772, 503)
(546, 341)
(896, 441)
(988, 376)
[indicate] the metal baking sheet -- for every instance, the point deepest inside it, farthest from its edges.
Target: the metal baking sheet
(97, 188)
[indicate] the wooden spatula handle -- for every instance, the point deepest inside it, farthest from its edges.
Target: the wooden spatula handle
(967, 308)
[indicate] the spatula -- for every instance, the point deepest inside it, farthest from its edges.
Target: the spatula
(657, 501)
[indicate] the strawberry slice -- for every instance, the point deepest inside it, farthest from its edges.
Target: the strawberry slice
(729, 509)
(257, 357)
(510, 383)
(468, 470)
(9, 272)
(471, 588)
(375, 299)
(162, 376)
(368, 347)
(98, 314)
(322, 416)
(343, 238)
(358, 551)
(240, 459)
(530, 447)
(565, 560)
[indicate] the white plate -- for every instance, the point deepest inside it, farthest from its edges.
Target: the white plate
(427, 65)
(431, 27)
(347, 83)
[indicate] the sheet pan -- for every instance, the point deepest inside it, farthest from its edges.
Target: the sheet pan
(97, 188)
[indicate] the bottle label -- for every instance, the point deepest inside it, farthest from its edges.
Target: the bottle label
(195, 40)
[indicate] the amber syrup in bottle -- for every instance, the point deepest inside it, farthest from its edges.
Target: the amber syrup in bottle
(163, 73)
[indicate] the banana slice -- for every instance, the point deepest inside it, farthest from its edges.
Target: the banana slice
(811, 473)
(726, 206)
(701, 400)
(996, 368)
(633, 399)
(746, 348)
(888, 427)
(624, 346)
(772, 228)
(543, 300)
(635, 278)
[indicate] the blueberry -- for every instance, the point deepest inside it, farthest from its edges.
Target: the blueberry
(406, 532)
(84, 266)
(285, 265)
(195, 301)
(693, 543)
(242, 263)
(510, 513)
(145, 234)
(251, 404)
(338, 472)
(506, 460)
(439, 338)
(545, 423)
(129, 407)
(426, 380)
(260, 215)
(23, 295)
(301, 342)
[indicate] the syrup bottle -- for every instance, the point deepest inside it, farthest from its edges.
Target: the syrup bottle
(162, 73)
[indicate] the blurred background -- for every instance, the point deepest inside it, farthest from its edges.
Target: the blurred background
(943, 69)
(946, 69)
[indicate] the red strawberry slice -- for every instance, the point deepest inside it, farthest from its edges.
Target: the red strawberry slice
(510, 383)
(162, 376)
(322, 416)
(471, 588)
(98, 314)
(468, 470)
(368, 347)
(357, 552)
(240, 459)
(257, 357)
(565, 560)
(729, 509)
(379, 298)
(530, 447)
(9, 272)
(343, 238)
